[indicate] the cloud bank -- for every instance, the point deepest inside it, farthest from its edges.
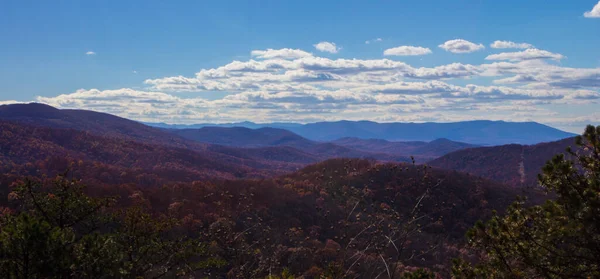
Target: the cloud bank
(291, 84)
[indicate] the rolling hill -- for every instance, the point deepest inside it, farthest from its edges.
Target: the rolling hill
(264, 158)
(98, 123)
(241, 152)
(300, 218)
(422, 151)
(242, 137)
(33, 150)
(245, 137)
(101, 127)
(513, 164)
(345, 147)
(292, 212)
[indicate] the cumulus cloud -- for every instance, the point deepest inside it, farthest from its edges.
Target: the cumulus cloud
(9, 102)
(373, 41)
(594, 13)
(295, 85)
(539, 74)
(509, 44)
(528, 54)
(461, 46)
(90, 53)
(327, 47)
(407, 51)
(410, 101)
(284, 53)
(306, 72)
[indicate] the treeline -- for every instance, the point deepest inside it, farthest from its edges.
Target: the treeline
(337, 219)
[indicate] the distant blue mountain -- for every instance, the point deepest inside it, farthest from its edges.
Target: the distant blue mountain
(245, 124)
(480, 132)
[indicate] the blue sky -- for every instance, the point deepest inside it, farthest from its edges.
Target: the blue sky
(147, 56)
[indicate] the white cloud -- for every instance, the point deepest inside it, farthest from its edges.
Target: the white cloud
(310, 73)
(373, 41)
(284, 53)
(527, 54)
(327, 47)
(90, 53)
(134, 71)
(461, 46)
(407, 51)
(413, 101)
(539, 74)
(509, 44)
(306, 72)
(404, 101)
(594, 13)
(295, 85)
(9, 102)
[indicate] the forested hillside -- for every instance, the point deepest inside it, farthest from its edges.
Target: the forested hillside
(276, 159)
(341, 148)
(423, 151)
(312, 221)
(32, 150)
(517, 165)
(256, 211)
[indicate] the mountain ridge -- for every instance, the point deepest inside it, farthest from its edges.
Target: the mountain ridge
(480, 132)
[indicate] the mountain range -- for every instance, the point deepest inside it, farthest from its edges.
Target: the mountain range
(259, 152)
(243, 152)
(303, 196)
(346, 147)
(480, 132)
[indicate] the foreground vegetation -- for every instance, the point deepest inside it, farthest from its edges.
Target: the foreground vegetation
(558, 239)
(336, 219)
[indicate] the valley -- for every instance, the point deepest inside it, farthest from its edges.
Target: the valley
(316, 196)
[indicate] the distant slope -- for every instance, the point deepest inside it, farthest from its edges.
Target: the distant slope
(473, 132)
(441, 147)
(25, 149)
(98, 123)
(421, 150)
(245, 124)
(274, 137)
(480, 132)
(510, 164)
(264, 151)
(264, 160)
(245, 137)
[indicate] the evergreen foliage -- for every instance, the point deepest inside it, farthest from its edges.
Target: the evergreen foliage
(59, 232)
(558, 239)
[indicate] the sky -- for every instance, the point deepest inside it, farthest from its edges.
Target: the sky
(306, 61)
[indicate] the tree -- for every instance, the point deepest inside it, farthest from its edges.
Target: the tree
(558, 239)
(58, 231)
